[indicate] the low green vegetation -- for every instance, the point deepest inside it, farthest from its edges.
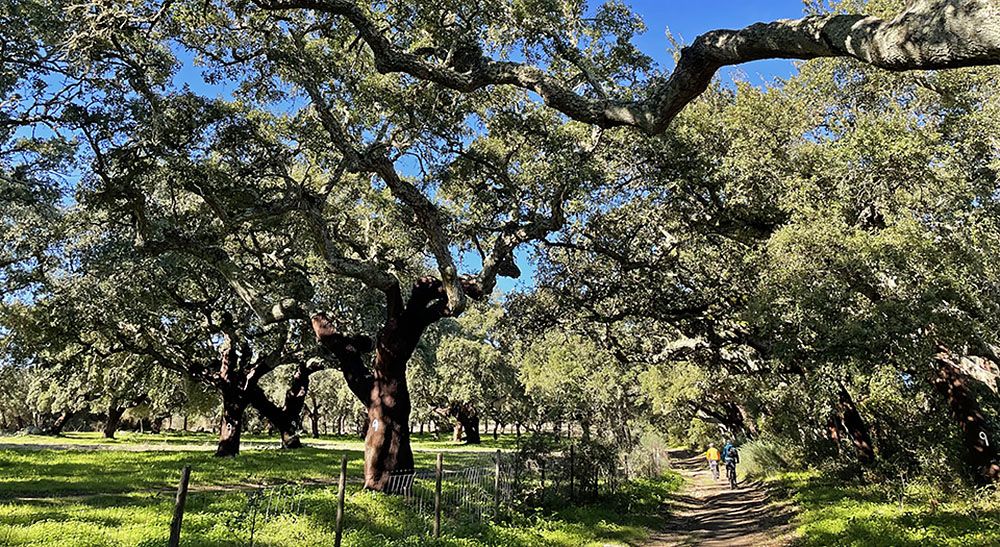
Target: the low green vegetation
(848, 513)
(114, 495)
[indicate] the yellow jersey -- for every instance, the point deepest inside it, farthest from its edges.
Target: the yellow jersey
(713, 454)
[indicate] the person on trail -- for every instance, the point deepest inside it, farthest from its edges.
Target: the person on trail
(731, 458)
(712, 455)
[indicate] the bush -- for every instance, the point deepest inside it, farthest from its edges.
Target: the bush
(764, 457)
(648, 458)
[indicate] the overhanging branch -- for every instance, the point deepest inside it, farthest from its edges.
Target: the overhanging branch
(927, 35)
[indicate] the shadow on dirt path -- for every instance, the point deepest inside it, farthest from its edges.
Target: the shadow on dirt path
(708, 513)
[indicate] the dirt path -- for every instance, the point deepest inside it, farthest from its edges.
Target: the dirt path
(708, 513)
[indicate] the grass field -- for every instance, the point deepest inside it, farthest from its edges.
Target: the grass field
(80, 490)
(833, 512)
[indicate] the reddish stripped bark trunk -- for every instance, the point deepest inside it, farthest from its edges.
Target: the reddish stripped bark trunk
(232, 383)
(952, 384)
(287, 419)
(383, 388)
(387, 444)
(856, 427)
(231, 429)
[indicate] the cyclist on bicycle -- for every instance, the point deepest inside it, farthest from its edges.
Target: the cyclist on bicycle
(731, 458)
(713, 456)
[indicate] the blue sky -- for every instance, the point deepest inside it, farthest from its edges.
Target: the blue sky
(687, 20)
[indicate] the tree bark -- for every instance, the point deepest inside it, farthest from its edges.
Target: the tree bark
(383, 389)
(114, 419)
(727, 414)
(231, 428)
(233, 383)
(856, 427)
(56, 428)
(833, 428)
(281, 421)
(952, 384)
(156, 424)
(750, 424)
(926, 35)
(313, 412)
(314, 421)
(287, 419)
(466, 422)
(585, 429)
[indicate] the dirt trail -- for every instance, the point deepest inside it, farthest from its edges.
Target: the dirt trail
(707, 513)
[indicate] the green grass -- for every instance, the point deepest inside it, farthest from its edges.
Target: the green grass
(835, 512)
(117, 496)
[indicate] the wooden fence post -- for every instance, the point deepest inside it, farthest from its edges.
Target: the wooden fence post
(182, 491)
(496, 488)
(437, 495)
(341, 490)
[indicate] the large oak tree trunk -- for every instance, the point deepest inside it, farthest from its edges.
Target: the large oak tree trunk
(952, 384)
(387, 444)
(56, 428)
(314, 420)
(114, 419)
(383, 388)
(856, 427)
(287, 419)
(295, 401)
(232, 383)
(277, 418)
(466, 422)
(233, 408)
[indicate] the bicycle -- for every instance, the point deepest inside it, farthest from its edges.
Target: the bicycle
(731, 473)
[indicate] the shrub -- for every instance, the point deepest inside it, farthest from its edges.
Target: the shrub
(763, 457)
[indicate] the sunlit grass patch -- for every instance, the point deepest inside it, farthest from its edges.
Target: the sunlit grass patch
(839, 513)
(125, 498)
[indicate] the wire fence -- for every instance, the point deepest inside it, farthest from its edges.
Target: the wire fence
(437, 499)
(423, 502)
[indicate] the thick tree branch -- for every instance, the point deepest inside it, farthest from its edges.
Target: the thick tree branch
(929, 34)
(349, 351)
